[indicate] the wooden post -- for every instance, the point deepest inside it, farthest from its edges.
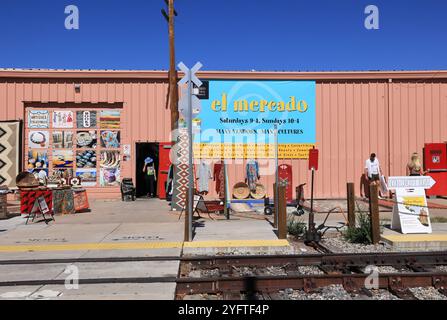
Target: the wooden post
(186, 238)
(374, 213)
(173, 76)
(275, 206)
(282, 213)
(351, 204)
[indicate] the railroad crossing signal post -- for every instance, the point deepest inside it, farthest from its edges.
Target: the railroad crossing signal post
(189, 107)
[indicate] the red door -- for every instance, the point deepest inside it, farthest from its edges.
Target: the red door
(163, 168)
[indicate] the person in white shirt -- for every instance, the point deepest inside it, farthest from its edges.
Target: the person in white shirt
(372, 169)
(42, 176)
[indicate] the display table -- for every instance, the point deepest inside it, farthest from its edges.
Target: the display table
(28, 201)
(63, 201)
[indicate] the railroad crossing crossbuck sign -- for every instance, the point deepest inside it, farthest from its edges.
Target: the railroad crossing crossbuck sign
(189, 108)
(183, 104)
(410, 211)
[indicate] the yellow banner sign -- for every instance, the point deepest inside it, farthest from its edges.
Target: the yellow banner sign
(251, 151)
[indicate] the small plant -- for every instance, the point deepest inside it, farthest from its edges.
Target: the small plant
(296, 227)
(361, 233)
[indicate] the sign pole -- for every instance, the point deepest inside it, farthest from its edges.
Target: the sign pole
(189, 107)
(190, 165)
(311, 214)
(312, 235)
(276, 176)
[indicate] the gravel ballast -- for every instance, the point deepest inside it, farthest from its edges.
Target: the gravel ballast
(333, 292)
(427, 293)
(338, 244)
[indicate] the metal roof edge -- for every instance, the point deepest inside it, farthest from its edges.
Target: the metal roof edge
(266, 75)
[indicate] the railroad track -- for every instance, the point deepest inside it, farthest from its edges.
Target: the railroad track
(246, 276)
(255, 276)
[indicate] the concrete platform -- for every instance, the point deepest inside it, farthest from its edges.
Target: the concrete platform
(437, 241)
(143, 228)
(237, 235)
(118, 291)
(113, 228)
(234, 229)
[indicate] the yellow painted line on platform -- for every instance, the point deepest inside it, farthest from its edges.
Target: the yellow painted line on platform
(236, 243)
(92, 246)
(415, 237)
(142, 245)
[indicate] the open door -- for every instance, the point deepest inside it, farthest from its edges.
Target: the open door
(144, 150)
(163, 168)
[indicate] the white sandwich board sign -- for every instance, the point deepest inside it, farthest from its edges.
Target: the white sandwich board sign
(410, 211)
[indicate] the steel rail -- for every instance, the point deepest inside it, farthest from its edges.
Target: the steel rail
(330, 259)
(308, 283)
(88, 281)
(87, 260)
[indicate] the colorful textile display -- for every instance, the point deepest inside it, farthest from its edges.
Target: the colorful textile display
(203, 175)
(28, 197)
(252, 169)
(219, 177)
(10, 145)
(63, 201)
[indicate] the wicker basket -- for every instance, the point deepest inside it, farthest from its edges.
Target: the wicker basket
(241, 190)
(26, 180)
(259, 192)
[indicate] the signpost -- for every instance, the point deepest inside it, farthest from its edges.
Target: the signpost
(189, 107)
(312, 234)
(410, 211)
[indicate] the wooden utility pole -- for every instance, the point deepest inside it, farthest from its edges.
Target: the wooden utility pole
(172, 99)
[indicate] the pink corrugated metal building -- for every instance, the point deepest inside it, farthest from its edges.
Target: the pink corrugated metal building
(390, 113)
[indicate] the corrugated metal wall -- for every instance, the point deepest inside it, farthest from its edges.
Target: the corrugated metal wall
(354, 118)
(144, 116)
(418, 115)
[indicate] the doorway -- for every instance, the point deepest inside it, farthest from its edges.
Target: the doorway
(144, 150)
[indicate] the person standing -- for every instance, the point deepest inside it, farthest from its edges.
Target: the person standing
(150, 176)
(372, 170)
(414, 167)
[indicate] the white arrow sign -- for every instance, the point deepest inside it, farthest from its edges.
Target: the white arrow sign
(425, 182)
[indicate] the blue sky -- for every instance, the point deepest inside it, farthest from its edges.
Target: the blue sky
(226, 35)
